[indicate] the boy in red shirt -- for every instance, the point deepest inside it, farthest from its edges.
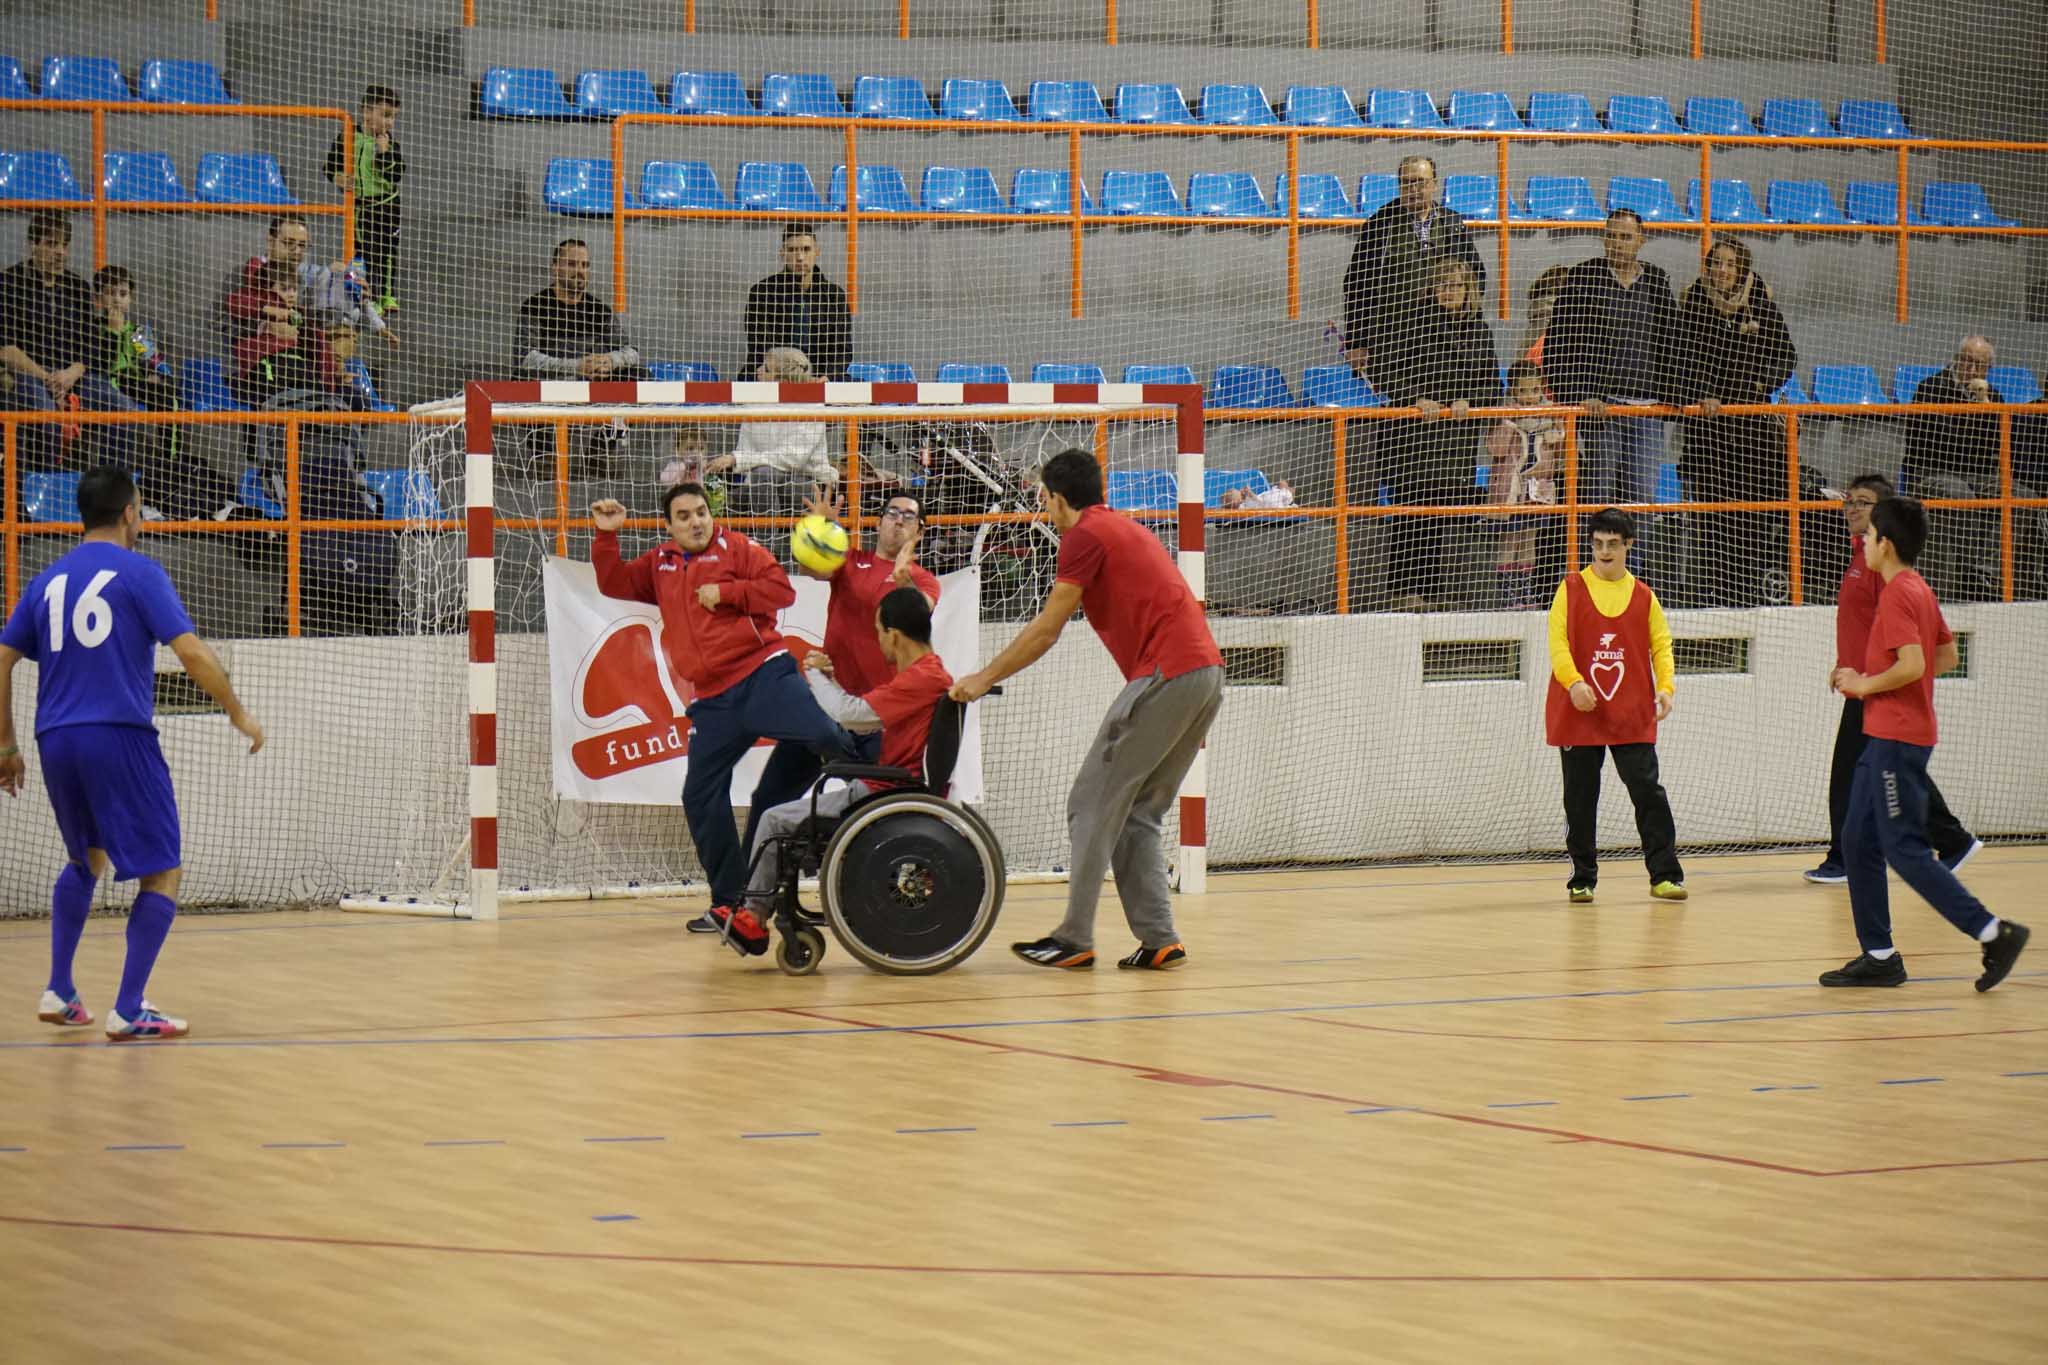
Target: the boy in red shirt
(1117, 571)
(1910, 646)
(898, 710)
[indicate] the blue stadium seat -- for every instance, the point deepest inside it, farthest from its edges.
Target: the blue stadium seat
(877, 189)
(1490, 109)
(886, 372)
(1669, 487)
(1558, 111)
(801, 94)
(38, 175)
(203, 386)
(1719, 115)
(241, 178)
(1906, 379)
(1641, 114)
(1803, 201)
(1051, 372)
(709, 92)
(1847, 384)
(142, 178)
(50, 496)
(683, 371)
(980, 101)
(1249, 386)
(1402, 109)
(1874, 118)
(13, 85)
(1322, 196)
(1876, 202)
(1227, 194)
(1244, 106)
(1474, 196)
(1151, 103)
(974, 374)
(1066, 102)
(891, 97)
(780, 185)
(1733, 202)
(1791, 391)
(85, 78)
(959, 189)
(1797, 118)
(184, 83)
(1159, 374)
(607, 94)
(2016, 383)
(1036, 191)
(1143, 193)
(1960, 203)
(1376, 190)
(1335, 386)
(405, 494)
(581, 186)
(1648, 196)
(1141, 490)
(681, 185)
(1321, 106)
(1562, 198)
(251, 493)
(522, 92)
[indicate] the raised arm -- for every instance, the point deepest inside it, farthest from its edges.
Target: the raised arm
(632, 582)
(205, 668)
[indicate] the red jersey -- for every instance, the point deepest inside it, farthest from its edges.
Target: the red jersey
(711, 650)
(857, 592)
(905, 704)
(1135, 597)
(1907, 614)
(1856, 609)
(1612, 654)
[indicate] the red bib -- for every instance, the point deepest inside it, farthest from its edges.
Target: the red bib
(1612, 653)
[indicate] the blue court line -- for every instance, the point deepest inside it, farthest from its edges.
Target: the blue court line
(614, 1218)
(810, 1133)
(1081, 1123)
(1916, 1080)
(1383, 1109)
(626, 1139)
(1522, 1104)
(937, 1130)
(2025, 1073)
(1680, 1095)
(1232, 1118)
(301, 1146)
(468, 1142)
(1764, 1089)
(13, 1149)
(146, 1147)
(1813, 1014)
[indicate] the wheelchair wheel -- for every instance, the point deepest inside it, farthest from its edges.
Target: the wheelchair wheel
(911, 884)
(799, 953)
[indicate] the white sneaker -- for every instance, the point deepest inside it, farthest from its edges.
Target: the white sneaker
(55, 1009)
(146, 1025)
(1955, 864)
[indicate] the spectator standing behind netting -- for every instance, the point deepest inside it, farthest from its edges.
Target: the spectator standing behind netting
(1430, 461)
(337, 291)
(1387, 285)
(1522, 455)
(1735, 349)
(46, 344)
(174, 482)
(1614, 338)
(379, 167)
(1957, 457)
(799, 308)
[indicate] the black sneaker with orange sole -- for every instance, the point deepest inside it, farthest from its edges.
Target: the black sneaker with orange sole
(1154, 959)
(1050, 952)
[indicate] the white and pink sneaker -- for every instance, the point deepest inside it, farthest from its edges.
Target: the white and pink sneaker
(55, 1009)
(149, 1024)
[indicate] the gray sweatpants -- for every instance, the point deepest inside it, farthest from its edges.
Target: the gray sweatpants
(1118, 804)
(779, 821)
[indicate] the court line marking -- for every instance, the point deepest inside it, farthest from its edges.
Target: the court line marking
(1917, 1080)
(467, 1142)
(1814, 1014)
(144, 1147)
(1008, 1271)
(1079, 1123)
(938, 1130)
(1522, 1104)
(807, 1133)
(1679, 1095)
(626, 1139)
(614, 1217)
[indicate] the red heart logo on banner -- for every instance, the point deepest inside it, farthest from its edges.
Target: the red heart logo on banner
(1606, 677)
(624, 674)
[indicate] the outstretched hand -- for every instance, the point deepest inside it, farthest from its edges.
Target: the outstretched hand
(906, 557)
(607, 514)
(824, 503)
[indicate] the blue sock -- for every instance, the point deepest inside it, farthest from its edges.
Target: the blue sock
(149, 923)
(70, 903)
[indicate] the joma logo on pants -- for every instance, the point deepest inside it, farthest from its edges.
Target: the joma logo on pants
(1891, 794)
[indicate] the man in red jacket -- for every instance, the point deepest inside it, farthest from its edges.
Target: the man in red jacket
(718, 592)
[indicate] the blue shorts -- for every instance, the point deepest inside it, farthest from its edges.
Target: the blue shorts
(111, 790)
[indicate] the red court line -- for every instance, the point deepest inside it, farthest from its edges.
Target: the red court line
(1662, 1042)
(1033, 1272)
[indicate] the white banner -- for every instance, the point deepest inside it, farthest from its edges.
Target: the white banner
(620, 735)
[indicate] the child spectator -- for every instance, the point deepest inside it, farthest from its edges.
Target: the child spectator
(690, 462)
(175, 483)
(1522, 457)
(379, 167)
(283, 354)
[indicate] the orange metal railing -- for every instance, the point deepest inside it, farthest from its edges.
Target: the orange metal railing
(1346, 518)
(1293, 224)
(98, 110)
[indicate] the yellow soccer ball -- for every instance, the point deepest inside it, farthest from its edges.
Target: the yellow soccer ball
(819, 544)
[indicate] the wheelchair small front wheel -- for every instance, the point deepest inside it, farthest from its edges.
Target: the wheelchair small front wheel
(800, 952)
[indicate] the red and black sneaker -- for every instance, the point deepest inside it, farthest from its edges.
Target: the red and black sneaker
(741, 929)
(1154, 959)
(1050, 952)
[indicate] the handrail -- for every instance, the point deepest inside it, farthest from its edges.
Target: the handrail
(100, 206)
(1902, 232)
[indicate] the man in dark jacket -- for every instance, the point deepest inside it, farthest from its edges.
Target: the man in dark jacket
(48, 342)
(797, 306)
(1957, 457)
(1387, 305)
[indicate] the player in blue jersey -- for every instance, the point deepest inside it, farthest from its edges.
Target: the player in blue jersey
(92, 622)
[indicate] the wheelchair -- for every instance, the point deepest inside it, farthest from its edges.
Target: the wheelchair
(909, 882)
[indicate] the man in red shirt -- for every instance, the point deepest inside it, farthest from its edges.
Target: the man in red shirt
(1910, 646)
(1118, 572)
(898, 711)
(718, 592)
(1855, 611)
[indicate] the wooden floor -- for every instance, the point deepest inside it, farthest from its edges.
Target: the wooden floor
(1418, 1114)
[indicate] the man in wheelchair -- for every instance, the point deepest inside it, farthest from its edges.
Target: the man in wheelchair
(900, 708)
